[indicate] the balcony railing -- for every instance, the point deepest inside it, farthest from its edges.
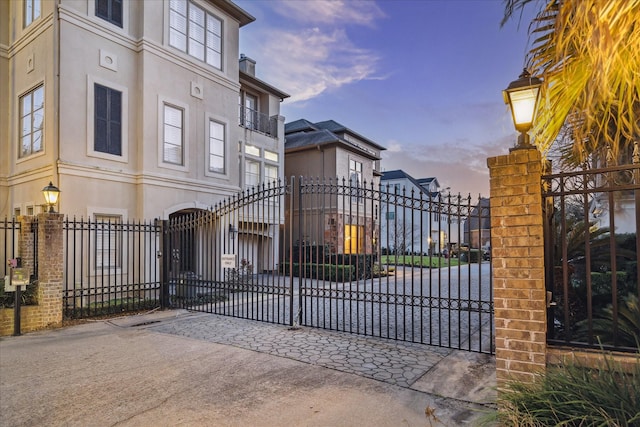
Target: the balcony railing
(259, 122)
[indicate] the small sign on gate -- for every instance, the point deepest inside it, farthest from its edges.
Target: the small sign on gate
(228, 260)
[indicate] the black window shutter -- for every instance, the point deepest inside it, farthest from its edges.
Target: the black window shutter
(100, 130)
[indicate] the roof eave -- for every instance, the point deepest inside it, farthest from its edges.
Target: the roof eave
(263, 85)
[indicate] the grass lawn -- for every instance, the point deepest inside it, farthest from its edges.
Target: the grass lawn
(417, 260)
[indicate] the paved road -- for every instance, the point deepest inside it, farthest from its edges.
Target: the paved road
(180, 368)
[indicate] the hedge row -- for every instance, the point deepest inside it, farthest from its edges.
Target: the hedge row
(334, 273)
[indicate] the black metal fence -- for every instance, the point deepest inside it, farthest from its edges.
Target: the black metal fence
(9, 234)
(591, 242)
(110, 267)
(362, 258)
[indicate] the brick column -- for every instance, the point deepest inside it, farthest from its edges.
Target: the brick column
(26, 243)
(518, 264)
(50, 268)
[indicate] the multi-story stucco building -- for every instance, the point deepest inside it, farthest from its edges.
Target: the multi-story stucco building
(430, 229)
(330, 152)
(131, 108)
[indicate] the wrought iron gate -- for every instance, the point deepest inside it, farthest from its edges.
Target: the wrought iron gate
(368, 259)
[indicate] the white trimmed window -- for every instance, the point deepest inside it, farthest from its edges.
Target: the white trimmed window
(173, 135)
(196, 32)
(217, 146)
(32, 10)
(32, 121)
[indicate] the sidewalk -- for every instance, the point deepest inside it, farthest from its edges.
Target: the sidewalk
(179, 368)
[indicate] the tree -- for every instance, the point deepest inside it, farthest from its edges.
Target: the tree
(588, 53)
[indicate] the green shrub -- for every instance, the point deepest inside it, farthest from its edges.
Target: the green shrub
(574, 395)
(334, 273)
(29, 295)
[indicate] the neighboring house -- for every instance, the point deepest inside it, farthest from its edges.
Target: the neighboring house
(429, 230)
(131, 108)
(332, 152)
(477, 228)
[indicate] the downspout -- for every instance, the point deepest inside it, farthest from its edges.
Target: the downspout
(56, 67)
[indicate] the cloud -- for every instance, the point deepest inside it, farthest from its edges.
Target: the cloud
(331, 11)
(457, 164)
(313, 53)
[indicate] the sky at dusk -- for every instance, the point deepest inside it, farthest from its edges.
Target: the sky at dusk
(423, 78)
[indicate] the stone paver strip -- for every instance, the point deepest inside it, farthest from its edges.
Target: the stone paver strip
(394, 362)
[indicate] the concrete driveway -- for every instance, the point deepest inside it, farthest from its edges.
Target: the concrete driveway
(175, 368)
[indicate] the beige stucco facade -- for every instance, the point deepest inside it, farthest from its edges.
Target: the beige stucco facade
(68, 50)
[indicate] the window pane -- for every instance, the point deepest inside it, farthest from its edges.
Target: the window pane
(196, 15)
(38, 118)
(270, 173)
(178, 6)
(172, 154)
(26, 105)
(26, 145)
(116, 12)
(252, 173)
(36, 142)
(172, 116)
(172, 135)
(252, 150)
(38, 98)
(214, 59)
(196, 49)
(214, 25)
(270, 155)
(178, 40)
(217, 130)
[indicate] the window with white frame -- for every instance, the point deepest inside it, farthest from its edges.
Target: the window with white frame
(251, 173)
(173, 137)
(108, 241)
(217, 147)
(32, 10)
(31, 121)
(195, 31)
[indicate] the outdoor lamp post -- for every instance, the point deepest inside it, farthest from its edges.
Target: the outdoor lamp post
(51, 193)
(522, 96)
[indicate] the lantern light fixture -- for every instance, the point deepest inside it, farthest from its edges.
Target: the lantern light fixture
(522, 96)
(51, 194)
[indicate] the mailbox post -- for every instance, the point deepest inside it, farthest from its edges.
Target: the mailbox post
(18, 277)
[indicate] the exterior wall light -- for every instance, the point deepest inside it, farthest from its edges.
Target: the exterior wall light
(522, 95)
(232, 231)
(51, 193)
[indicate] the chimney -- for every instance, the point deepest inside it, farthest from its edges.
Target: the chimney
(247, 65)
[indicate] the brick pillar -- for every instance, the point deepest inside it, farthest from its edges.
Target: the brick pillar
(518, 264)
(50, 268)
(26, 243)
